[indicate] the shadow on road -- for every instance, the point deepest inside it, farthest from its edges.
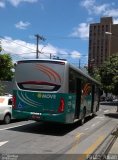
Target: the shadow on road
(46, 128)
(53, 129)
(112, 115)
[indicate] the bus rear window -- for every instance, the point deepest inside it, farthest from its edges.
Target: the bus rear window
(39, 75)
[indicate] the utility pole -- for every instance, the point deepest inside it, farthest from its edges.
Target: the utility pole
(50, 56)
(38, 37)
(79, 63)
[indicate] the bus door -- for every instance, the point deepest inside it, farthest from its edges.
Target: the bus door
(78, 98)
(95, 99)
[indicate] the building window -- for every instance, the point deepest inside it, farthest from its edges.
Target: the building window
(107, 28)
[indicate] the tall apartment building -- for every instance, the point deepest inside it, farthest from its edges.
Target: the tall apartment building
(102, 45)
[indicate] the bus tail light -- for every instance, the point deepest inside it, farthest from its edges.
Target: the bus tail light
(14, 102)
(61, 105)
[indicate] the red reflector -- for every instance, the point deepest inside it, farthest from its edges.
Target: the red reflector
(14, 102)
(61, 106)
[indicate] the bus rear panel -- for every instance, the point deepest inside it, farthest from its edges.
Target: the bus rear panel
(40, 92)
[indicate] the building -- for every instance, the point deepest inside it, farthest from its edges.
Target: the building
(103, 41)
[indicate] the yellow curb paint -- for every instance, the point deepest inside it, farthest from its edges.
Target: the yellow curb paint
(79, 135)
(91, 148)
(77, 138)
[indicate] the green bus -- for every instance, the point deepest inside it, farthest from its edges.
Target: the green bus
(53, 91)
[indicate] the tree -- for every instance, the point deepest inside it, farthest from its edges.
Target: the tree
(109, 74)
(96, 74)
(1, 89)
(6, 66)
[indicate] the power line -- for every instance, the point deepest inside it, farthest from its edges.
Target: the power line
(16, 43)
(62, 37)
(37, 50)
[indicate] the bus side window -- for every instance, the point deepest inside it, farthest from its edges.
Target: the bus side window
(72, 83)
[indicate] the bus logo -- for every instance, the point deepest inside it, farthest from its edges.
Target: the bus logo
(47, 96)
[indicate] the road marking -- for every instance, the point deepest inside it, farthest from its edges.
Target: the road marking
(106, 111)
(93, 125)
(100, 117)
(13, 127)
(86, 129)
(2, 143)
(79, 135)
(92, 148)
(77, 138)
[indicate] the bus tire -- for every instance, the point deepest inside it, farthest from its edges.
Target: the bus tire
(7, 118)
(83, 114)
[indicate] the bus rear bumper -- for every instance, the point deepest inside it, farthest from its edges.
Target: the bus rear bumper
(47, 117)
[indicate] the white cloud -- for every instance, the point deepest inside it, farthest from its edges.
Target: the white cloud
(87, 3)
(2, 4)
(12, 46)
(111, 12)
(22, 25)
(101, 8)
(94, 8)
(28, 50)
(15, 3)
(115, 20)
(105, 9)
(81, 31)
(75, 54)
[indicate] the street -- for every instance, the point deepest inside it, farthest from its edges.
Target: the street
(35, 138)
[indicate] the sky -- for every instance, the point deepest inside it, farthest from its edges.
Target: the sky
(63, 23)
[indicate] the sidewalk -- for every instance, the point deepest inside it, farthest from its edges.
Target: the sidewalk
(114, 148)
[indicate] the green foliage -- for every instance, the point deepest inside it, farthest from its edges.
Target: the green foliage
(0, 47)
(109, 74)
(6, 67)
(96, 74)
(1, 90)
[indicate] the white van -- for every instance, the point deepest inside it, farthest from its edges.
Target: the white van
(6, 108)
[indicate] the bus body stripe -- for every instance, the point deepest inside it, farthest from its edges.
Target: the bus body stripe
(44, 71)
(51, 71)
(47, 71)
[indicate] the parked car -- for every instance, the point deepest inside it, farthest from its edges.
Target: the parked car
(6, 108)
(109, 99)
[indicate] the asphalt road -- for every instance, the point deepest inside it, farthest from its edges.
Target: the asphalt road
(34, 140)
